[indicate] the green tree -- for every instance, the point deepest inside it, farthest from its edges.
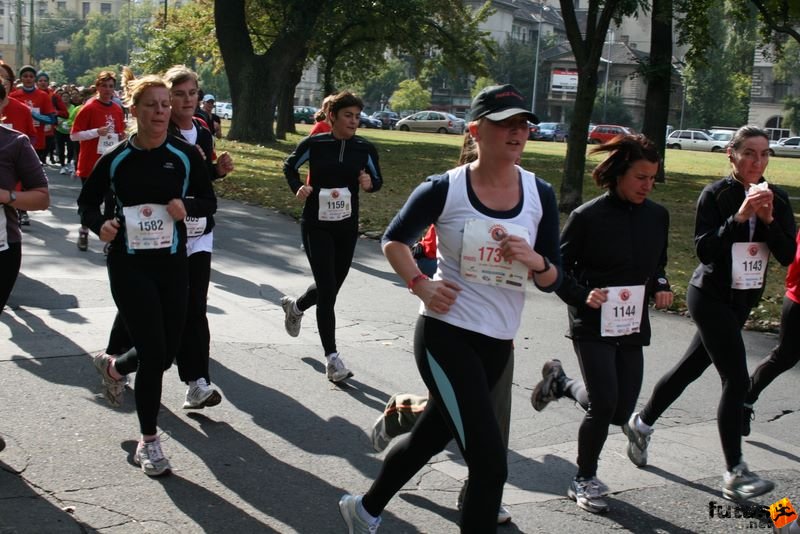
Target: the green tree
(480, 84)
(721, 74)
(616, 111)
(51, 31)
(378, 88)
(162, 45)
(55, 69)
(410, 95)
(586, 40)
(791, 113)
(514, 63)
(266, 43)
(787, 67)
(103, 41)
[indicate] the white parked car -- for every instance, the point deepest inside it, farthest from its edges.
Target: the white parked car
(224, 109)
(787, 147)
(432, 121)
(694, 140)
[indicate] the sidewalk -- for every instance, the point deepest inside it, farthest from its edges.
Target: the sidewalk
(285, 444)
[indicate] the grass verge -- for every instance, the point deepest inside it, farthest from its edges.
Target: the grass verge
(407, 158)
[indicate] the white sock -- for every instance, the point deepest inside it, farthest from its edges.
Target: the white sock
(295, 309)
(362, 512)
(641, 426)
(331, 356)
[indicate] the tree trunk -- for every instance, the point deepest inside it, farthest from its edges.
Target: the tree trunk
(587, 52)
(255, 80)
(285, 122)
(571, 195)
(659, 79)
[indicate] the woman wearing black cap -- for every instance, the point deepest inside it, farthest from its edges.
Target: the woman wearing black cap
(496, 224)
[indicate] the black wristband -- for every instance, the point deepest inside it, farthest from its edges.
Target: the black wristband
(546, 266)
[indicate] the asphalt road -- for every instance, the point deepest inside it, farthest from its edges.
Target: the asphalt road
(278, 452)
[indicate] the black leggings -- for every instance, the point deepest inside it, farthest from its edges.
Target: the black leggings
(150, 294)
(194, 354)
(63, 144)
(784, 356)
(330, 252)
(719, 341)
(10, 262)
(460, 368)
(613, 377)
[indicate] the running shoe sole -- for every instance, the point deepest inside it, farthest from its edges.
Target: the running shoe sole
(212, 400)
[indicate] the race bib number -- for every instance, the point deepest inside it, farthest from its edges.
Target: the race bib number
(748, 265)
(482, 259)
(621, 314)
(148, 226)
(3, 230)
(105, 142)
(195, 226)
(334, 204)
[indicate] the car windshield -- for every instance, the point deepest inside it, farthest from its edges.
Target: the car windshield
(452, 117)
(722, 136)
(547, 125)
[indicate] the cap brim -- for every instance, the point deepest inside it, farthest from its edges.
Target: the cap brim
(510, 112)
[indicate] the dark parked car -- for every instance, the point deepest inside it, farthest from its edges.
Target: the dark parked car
(552, 131)
(304, 114)
(388, 119)
(365, 121)
(533, 131)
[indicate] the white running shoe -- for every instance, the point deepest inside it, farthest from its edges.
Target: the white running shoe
(741, 484)
(637, 441)
(588, 495)
(113, 390)
(336, 370)
(292, 320)
(151, 459)
(63, 170)
(201, 395)
(348, 507)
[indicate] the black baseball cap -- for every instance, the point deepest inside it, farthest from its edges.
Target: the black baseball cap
(498, 102)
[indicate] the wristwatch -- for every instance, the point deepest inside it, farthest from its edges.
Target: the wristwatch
(12, 197)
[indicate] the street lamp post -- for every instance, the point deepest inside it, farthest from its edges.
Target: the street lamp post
(536, 63)
(608, 68)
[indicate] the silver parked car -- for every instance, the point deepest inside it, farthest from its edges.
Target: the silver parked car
(694, 140)
(432, 121)
(786, 147)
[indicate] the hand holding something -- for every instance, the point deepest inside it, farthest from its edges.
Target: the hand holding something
(224, 164)
(596, 298)
(437, 295)
(365, 181)
(109, 230)
(515, 248)
(663, 299)
(304, 192)
(103, 130)
(176, 209)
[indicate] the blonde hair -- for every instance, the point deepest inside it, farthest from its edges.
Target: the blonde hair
(134, 88)
(179, 74)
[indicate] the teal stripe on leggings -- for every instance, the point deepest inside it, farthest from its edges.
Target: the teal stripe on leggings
(448, 397)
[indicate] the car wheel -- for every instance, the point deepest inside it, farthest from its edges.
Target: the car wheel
(676, 147)
(404, 128)
(716, 149)
(442, 130)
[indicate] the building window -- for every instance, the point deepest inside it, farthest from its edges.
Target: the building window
(2, 11)
(616, 88)
(86, 7)
(61, 6)
(105, 8)
(41, 8)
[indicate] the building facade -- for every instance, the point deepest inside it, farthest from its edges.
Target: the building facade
(17, 13)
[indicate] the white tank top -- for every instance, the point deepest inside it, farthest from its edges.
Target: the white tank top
(492, 311)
